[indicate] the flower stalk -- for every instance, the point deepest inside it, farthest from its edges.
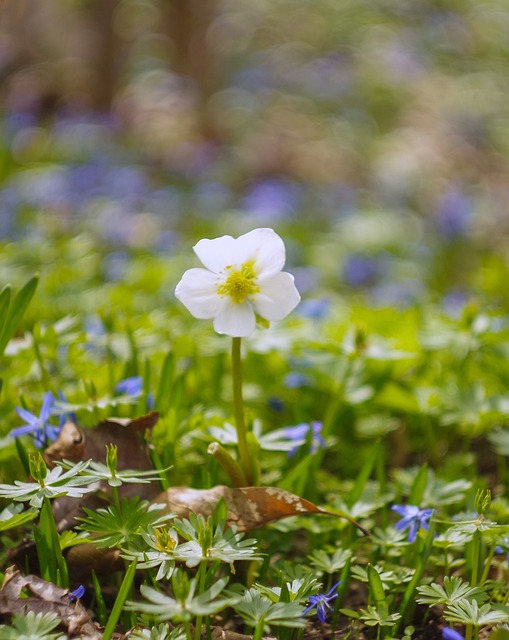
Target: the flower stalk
(238, 412)
(230, 465)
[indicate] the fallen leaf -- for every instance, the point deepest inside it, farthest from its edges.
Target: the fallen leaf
(46, 597)
(77, 443)
(248, 507)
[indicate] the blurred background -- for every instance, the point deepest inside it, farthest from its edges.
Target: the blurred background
(375, 134)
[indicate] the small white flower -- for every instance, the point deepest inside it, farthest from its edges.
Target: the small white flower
(242, 280)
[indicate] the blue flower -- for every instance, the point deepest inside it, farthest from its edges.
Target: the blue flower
(38, 427)
(449, 633)
(503, 548)
(294, 380)
(64, 417)
(77, 594)
(413, 518)
(132, 386)
(299, 434)
(321, 602)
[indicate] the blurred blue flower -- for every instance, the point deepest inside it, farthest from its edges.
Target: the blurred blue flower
(321, 602)
(314, 307)
(454, 215)
(454, 302)
(295, 380)
(306, 279)
(448, 633)
(413, 518)
(276, 404)
(299, 434)
(272, 198)
(503, 547)
(39, 426)
(65, 417)
(132, 386)
(361, 271)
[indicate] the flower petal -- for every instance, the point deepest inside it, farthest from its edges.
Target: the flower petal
(46, 407)
(28, 417)
(412, 532)
(216, 254)
(277, 298)
(21, 431)
(265, 247)
(236, 320)
(197, 291)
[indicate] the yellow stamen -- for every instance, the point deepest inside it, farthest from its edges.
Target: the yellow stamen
(164, 541)
(240, 283)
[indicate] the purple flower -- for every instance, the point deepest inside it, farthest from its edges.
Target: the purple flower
(295, 380)
(299, 434)
(454, 213)
(321, 602)
(361, 270)
(314, 308)
(132, 386)
(65, 417)
(412, 519)
(38, 427)
(77, 594)
(448, 633)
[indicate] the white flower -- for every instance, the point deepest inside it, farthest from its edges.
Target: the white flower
(242, 280)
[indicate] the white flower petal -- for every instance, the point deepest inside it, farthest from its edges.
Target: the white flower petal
(236, 320)
(277, 298)
(216, 254)
(198, 292)
(264, 247)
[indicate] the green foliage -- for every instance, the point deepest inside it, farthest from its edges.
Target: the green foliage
(31, 626)
(186, 604)
(120, 526)
(453, 590)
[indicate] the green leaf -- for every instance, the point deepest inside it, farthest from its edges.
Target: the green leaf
(364, 474)
(419, 486)
(469, 612)
(377, 591)
(16, 310)
(5, 299)
(163, 395)
(14, 516)
(123, 592)
(31, 626)
(453, 590)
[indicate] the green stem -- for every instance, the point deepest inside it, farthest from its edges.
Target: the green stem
(123, 592)
(258, 633)
(116, 498)
(230, 465)
(57, 565)
(476, 552)
(238, 410)
(487, 565)
(201, 588)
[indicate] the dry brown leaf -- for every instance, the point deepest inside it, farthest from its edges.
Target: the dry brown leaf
(77, 443)
(46, 598)
(248, 507)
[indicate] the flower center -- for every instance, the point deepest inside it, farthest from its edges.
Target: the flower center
(164, 542)
(240, 283)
